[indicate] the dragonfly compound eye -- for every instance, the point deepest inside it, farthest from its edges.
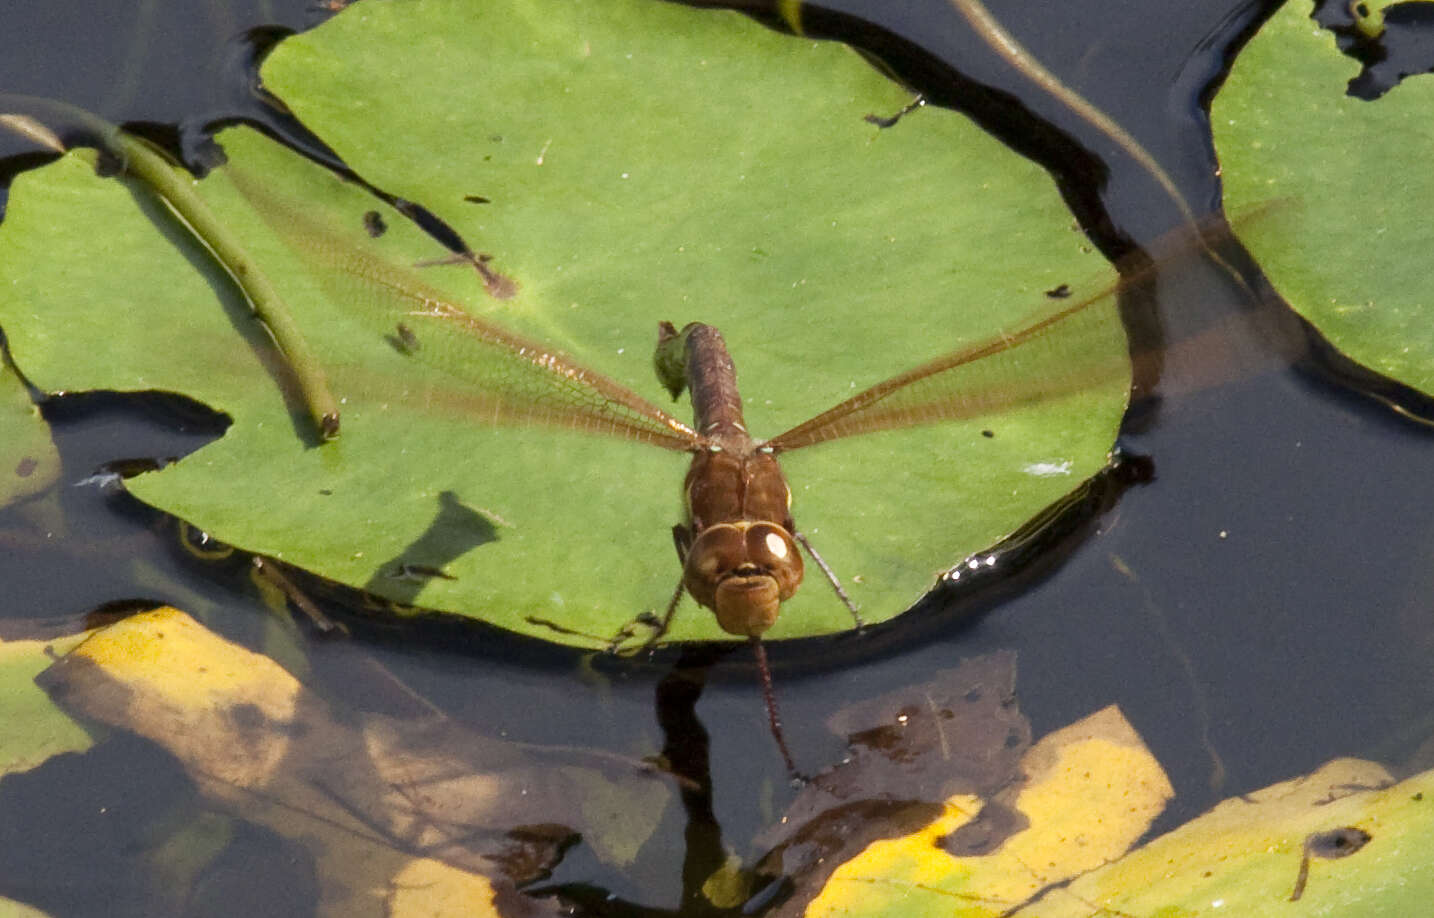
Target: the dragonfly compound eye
(743, 571)
(770, 547)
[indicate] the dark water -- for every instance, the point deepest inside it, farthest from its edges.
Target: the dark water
(1257, 602)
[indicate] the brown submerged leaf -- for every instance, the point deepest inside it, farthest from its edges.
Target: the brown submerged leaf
(381, 802)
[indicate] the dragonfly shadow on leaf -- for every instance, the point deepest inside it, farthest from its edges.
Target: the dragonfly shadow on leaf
(455, 530)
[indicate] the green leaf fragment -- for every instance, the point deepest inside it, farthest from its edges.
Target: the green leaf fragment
(34, 728)
(29, 463)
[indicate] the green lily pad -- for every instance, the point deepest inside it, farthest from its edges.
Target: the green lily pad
(1353, 258)
(35, 728)
(640, 162)
(29, 463)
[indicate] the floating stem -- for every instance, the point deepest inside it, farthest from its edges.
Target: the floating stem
(176, 189)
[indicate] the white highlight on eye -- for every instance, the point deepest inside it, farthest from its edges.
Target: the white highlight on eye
(1048, 469)
(776, 545)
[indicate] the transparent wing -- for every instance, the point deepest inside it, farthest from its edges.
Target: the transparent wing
(1058, 352)
(507, 379)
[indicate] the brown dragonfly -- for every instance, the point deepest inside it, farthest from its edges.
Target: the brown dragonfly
(739, 546)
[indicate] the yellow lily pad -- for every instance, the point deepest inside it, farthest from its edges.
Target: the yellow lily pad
(1090, 791)
(433, 888)
(1246, 856)
(9, 908)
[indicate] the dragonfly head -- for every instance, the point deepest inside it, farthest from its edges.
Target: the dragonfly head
(743, 571)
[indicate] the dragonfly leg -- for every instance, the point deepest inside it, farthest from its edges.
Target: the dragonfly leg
(890, 120)
(667, 615)
(774, 715)
(831, 578)
(649, 620)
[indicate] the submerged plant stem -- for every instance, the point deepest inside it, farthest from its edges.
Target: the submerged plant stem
(1015, 54)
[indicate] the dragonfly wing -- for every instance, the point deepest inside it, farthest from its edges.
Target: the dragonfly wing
(509, 379)
(506, 379)
(1057, 351)
(1052, 354)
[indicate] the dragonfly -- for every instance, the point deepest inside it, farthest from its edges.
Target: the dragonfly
(738, 545)
(739, 549)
